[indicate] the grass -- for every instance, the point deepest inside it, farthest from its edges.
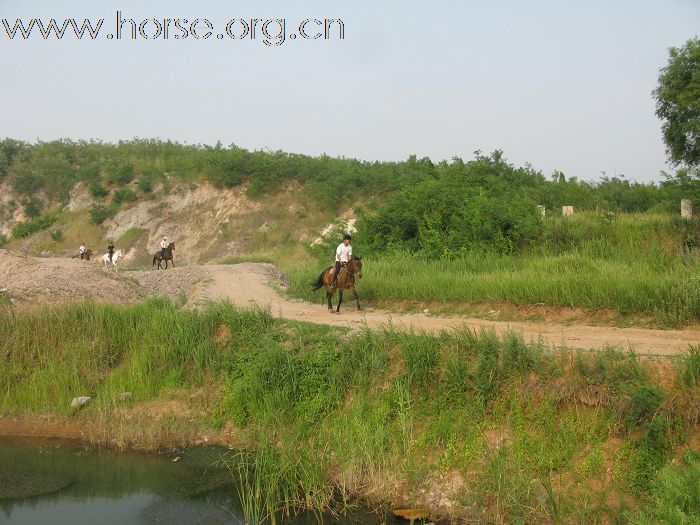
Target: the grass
(503, 430)
(637, 267)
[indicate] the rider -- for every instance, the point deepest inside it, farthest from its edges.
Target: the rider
(343, 255)
(110, 250)
(163, 247)
(82, 250)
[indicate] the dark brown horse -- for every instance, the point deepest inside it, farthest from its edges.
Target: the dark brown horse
(85, 255)
(346, 281)
(168, 256)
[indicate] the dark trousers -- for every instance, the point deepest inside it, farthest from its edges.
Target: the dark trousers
(162, 253)
(111, 252)
(337, 271)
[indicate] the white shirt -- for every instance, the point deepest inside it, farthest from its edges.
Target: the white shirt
(343, 253)
(164, 244)
(82, 248)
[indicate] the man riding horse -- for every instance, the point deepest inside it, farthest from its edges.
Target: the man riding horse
(165, 253)
(341, 276)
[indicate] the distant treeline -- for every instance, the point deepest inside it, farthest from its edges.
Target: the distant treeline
(54, 167)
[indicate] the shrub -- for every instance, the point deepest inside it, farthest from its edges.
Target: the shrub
(99, 213)
(27, 183)
(123, 195)
(97, 190)
(3, 240)
(26, 228)
(644, 401)
(145, 185)
(56, 235)
(32, 208)
(689, 367)
(122, 174)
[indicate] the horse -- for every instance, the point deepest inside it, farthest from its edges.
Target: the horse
(86, 255)
(117, 255)
(168, 256)
(346, 281)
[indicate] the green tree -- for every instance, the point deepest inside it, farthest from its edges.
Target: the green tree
(678, 103)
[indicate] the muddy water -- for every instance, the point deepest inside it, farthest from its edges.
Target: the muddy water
(59, 482)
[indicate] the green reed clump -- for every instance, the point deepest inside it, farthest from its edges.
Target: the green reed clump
(689, 367)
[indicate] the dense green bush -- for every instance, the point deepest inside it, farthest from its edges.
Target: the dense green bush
(121, 174)
(99, 213)
(123, 195)
(32, 208)
(145, 185)
(97, 190)
(26, 228)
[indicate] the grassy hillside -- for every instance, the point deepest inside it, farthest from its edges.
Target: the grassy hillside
(478, 428)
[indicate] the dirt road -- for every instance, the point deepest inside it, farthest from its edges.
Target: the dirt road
(251, 282)
(29, 280)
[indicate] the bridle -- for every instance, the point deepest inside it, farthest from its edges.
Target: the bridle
(346, 268)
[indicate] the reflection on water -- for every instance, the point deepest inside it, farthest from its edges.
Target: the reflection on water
(58, 482)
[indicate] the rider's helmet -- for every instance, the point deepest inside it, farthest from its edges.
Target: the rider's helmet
(165, 238)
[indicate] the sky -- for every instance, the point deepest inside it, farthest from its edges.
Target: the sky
(561, 84)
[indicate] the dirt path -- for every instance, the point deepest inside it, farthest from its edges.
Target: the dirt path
(251, 282)
(29, 281)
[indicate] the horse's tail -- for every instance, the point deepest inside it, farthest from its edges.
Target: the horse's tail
(318, 283)
(154, 260)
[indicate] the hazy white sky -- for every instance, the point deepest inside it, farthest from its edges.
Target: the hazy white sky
(561, 84)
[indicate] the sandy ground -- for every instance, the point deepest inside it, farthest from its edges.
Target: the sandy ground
(28, 280)
(251, 283)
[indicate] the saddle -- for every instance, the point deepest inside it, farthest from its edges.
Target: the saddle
(332, 270)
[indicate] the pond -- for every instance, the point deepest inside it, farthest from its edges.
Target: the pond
(60, 482)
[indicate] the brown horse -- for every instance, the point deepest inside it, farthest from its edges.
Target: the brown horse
(86, 255)
(168, 256)
(346, 281)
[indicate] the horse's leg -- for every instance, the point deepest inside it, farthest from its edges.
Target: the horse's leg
(340, 299)
(329, 295)
(172, 261)
(357, 298)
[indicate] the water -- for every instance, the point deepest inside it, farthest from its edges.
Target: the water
(59, 482)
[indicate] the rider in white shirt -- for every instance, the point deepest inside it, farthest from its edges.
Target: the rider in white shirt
(343, 255)
(82, 250)
(163, 247)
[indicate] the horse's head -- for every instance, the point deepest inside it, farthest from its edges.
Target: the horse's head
(357, 266)
(171, 246)
(119, 253)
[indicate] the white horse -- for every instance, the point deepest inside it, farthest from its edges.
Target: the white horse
(117, 255)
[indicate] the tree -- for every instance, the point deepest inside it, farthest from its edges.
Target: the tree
(678, 103)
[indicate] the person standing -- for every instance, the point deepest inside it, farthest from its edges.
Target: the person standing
(82, 250)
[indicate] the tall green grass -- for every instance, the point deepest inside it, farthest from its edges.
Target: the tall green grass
(633, 265)
(532, 436)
